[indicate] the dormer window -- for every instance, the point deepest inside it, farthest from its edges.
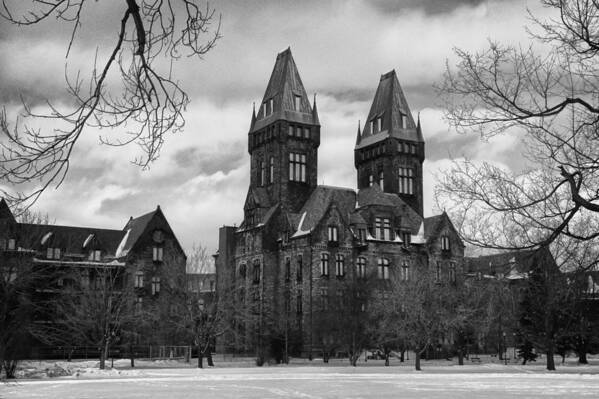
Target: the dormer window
(95, 255)
(404, 121)
(12, 244)
(53, 253)
(376, 125)
(382, 228)
(157, 253)
(297, 100)
(445, 244)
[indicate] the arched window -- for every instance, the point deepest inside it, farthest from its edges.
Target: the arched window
(339, 265)
(271, 173)
(324, 264)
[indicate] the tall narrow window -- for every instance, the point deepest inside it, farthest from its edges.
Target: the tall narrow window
(297, 167)
(298, 302)
(299, 273)
(382, 180)
(138, 305)
(452, 272)
(306, 133)
(155, 285)
(370, 180)
(138, 281)
(404, 121)
(242, 271)
(361, 267)
(256, 271)
(324, 299)
(339, 265)
(297, 100)
(157, 253)
(271, 170)
(333, 234)
(324, 264)
(405, 271)
(445, 246)
(383, 269)
(287, 269)
(290, 131)
(406, 237)
(262, 173)
(406, 181)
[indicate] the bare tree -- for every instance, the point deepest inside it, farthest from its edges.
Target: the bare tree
(548, 93)
(129, 88)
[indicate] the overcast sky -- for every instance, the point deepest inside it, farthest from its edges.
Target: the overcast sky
(340, 47)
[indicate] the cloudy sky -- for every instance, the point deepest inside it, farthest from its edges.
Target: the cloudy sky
(340, 47)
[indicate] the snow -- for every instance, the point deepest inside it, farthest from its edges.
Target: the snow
(311, 380)
(120, 251)
(300, 232)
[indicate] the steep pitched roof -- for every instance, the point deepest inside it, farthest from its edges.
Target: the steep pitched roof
(390, 104)
(284, 85)
(374, 196)
(5, 213)
(319, 202)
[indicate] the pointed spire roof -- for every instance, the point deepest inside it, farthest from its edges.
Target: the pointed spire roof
(253, 122)
(359, 136)
(5, 213)
(390, 105)
(315, 119)
(285, 96)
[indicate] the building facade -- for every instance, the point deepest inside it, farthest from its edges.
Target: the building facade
(300, 244)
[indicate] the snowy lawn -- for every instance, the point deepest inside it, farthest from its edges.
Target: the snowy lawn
(171, 379)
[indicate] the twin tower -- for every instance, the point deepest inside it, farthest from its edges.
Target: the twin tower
(284, 137)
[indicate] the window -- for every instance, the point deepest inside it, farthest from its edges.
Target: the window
(383, 269)
(324, 264)
(60, 282)
(262, 173)
(406, 237)
(139, 279)
(271, 172)
(298, 302)
(382, 180)
(242, 270)
(297, 100)
(339, 265)
(268, 107)
(299, 268)
(95, 255)
(445, 243)
(306, 133)
(155, 285)
(287, 269)
(256, 271)
(376, 125)
(333, 234)
(297, 167)
(404, 121)
(413, 148)
(406, 181)
(157, 253)
(139, 305)
(84, 278)
(361, 267)
(452, 272)
(53, 253)
(12, 244)
(382, 228)
(438, 272)
(405, 271)
(370, 180)
(290, 130)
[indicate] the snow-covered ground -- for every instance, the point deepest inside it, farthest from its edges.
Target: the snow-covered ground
(313, 380)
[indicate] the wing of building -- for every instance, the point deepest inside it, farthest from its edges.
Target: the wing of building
(299, 241)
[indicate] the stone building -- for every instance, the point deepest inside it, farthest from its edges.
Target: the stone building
(145, 255)
(300, 244)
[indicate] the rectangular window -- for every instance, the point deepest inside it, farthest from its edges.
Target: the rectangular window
(157, 253)
(298, 302)
(339, 265)
(290, 131)
(324, 264)
(95, 255)
(383, 269)
(155, 285)
(306, 133)
(452, 272)
(361, 267)
(405, 271)
(297, 100)
(287, 269)
(382, 180)
(271, 174)
(406, 181)
(324, 299)
(300, 266)
(262, 173)
(370, 180)
(139, 279)
(85, 278)
(404, 121)
(12, 244)
(445, 246)
(139, 305)
(333, 233)
(257, 271)
(406, 237)
(297, 167)
(413, 148)
(382, 228)
(50, 253)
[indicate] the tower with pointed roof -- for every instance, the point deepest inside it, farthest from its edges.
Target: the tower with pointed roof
(283, 143)
(389, 150)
